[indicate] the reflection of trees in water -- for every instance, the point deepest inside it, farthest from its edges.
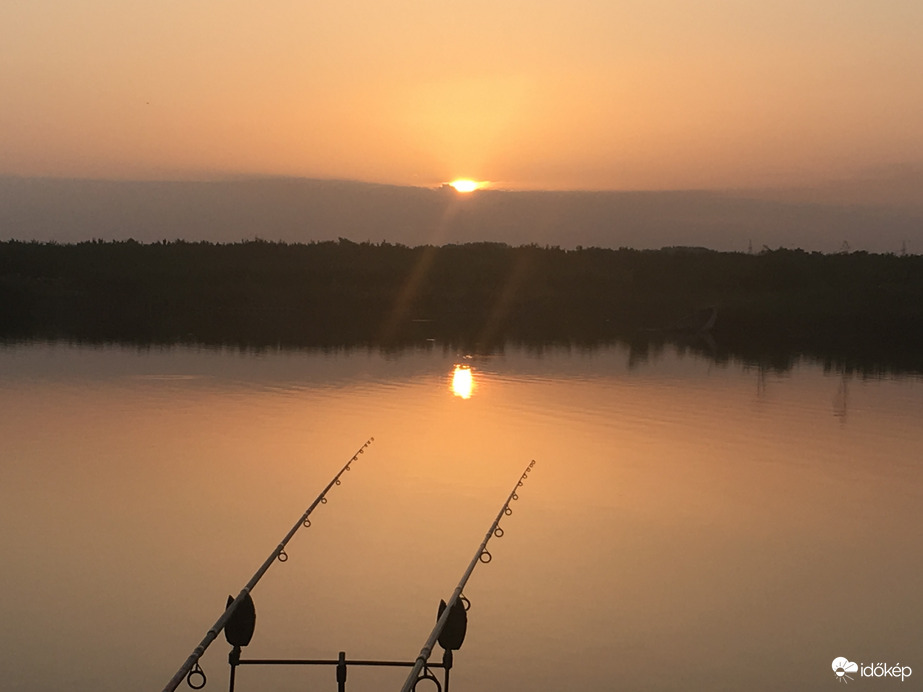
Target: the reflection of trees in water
(841, 398)
(853, 311)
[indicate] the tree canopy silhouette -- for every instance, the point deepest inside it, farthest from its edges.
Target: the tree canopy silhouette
(477, 295)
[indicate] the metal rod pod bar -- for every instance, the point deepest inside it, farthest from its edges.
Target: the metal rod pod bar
(481, 555)
(280, 554)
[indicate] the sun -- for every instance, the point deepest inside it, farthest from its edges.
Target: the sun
(465, 185)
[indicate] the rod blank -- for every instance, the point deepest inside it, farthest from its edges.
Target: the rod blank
(482, 555)
(277, 554)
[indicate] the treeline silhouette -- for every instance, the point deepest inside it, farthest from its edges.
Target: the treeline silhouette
(854, 310)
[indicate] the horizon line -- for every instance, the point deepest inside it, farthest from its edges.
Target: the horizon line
(489, 186)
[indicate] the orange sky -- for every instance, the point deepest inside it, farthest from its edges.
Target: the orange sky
(605, 94)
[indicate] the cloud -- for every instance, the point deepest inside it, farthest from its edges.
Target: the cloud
(847, 665)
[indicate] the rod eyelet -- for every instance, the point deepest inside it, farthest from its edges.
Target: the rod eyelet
(193, 677)
(426, 674)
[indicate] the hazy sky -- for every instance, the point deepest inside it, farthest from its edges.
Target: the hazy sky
(608, 94)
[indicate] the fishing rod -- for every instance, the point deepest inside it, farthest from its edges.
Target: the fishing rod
(449, 612)
(190, 669)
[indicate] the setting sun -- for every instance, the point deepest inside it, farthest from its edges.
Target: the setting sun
(464, 185)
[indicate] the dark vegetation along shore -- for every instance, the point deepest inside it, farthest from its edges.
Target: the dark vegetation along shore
(853, 310)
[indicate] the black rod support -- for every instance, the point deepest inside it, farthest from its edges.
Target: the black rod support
(234, 660)
(341, 672)
(447, 665)
(327, 662)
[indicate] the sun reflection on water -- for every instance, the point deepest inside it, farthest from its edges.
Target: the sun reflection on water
(462, 381)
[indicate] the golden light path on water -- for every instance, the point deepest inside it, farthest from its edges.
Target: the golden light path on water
(462, 381)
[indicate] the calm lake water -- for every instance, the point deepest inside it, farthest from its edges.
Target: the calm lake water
(687, 525)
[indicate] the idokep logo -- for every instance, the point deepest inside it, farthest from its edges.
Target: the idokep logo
(843, 666)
